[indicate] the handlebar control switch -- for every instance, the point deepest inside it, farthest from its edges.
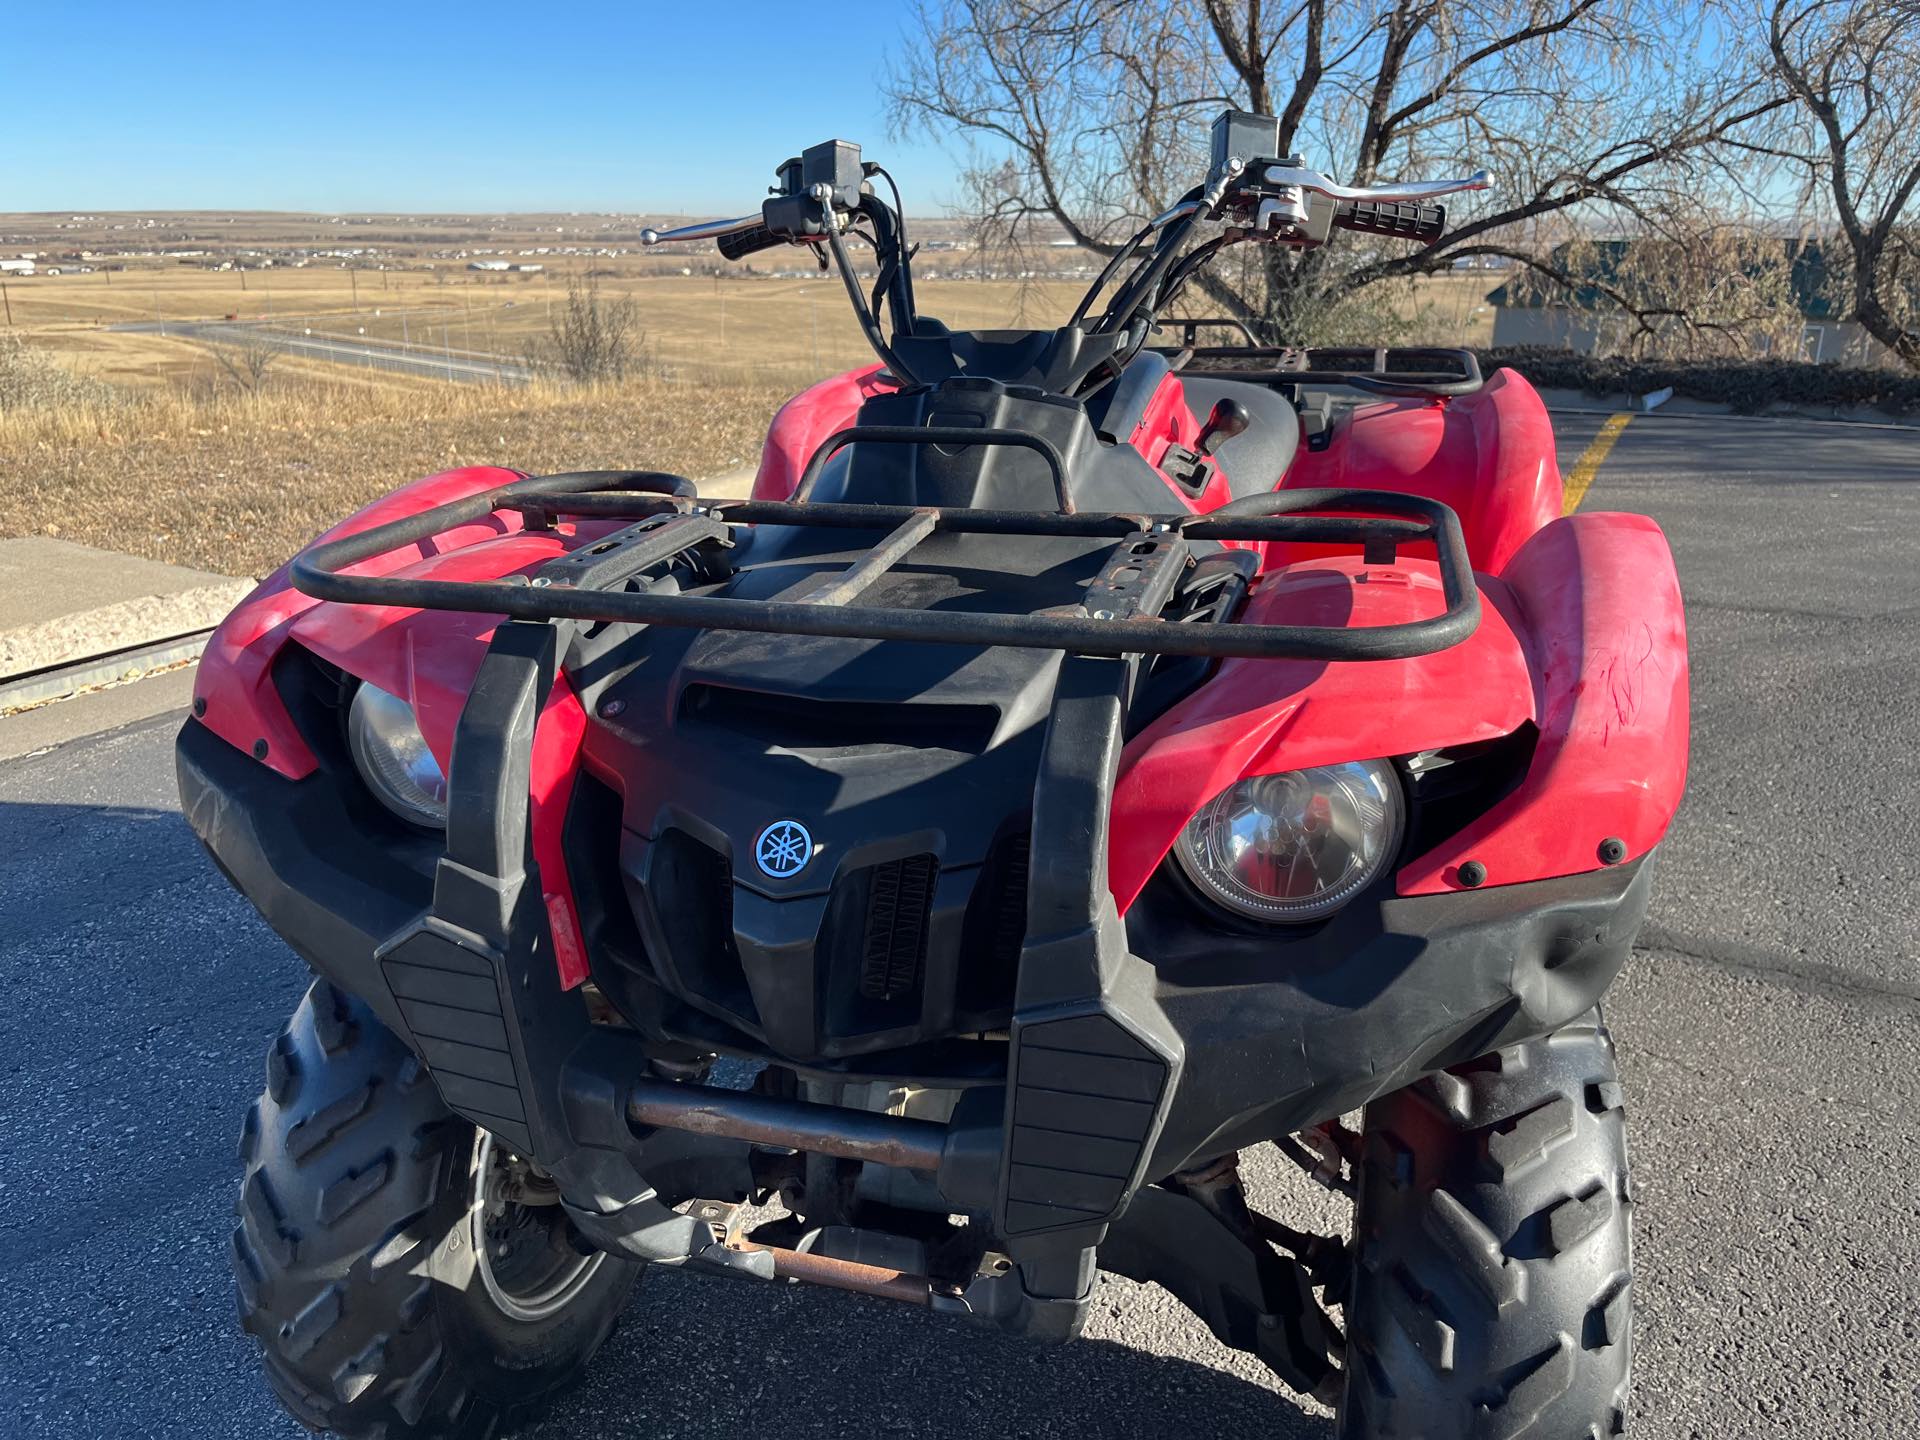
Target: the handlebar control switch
(1227, 419)
(831, 168)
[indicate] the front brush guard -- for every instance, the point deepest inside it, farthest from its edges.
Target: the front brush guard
(1057, 1158)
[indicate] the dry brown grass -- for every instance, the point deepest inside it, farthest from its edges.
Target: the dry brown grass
(235, 483)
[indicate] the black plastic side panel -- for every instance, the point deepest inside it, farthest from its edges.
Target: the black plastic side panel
(1083, 1106)
(1094, 1063)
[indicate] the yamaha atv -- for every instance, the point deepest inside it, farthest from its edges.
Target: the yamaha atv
(1087, 756)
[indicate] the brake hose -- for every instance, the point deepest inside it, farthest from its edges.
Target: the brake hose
(869, 325)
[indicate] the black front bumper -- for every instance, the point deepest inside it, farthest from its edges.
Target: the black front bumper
(1184, 1046)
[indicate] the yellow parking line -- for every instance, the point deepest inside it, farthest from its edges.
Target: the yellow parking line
(1587, 466)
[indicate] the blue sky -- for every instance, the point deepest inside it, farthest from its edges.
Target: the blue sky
(345, 106)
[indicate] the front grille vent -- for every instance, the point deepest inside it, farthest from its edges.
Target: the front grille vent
(896, 931)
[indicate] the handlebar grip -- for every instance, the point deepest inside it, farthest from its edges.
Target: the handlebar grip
(743, 243)
(1406, 219)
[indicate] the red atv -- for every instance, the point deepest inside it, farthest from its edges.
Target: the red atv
(1080, 761)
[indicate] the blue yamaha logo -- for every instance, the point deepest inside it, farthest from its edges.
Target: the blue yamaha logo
(783, 848)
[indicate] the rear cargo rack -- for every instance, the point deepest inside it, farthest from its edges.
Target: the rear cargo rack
(1119, 615)
(1411, 371)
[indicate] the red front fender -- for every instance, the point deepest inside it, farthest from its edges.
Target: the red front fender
(1582, 633)
(1606, 639)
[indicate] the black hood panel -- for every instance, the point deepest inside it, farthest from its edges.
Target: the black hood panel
(910, 767)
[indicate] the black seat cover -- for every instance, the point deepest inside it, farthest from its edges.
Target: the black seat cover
(1256, 458)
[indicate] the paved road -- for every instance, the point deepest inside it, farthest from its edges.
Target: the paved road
(464, 366)
(1770, 1028)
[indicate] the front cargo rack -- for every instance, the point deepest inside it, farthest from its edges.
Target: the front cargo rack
(1119, 616)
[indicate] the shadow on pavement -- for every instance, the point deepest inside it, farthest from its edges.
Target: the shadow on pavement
(700, 1356)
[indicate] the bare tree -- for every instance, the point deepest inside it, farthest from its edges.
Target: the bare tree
(1854, 69)
(1091, 114)
(246, 362)
(592, 339)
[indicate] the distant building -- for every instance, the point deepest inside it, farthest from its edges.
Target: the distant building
(1535, 310)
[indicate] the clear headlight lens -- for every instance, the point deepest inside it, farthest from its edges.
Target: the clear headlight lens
(1296, 846)
(393, 758)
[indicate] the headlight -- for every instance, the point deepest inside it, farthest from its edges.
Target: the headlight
(1296, 846)
(393, 758)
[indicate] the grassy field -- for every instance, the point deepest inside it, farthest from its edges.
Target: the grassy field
(237, 483)
(756, 329)
(157, 453)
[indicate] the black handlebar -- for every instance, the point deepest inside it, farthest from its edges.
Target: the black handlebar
(743, 243)
(1403, 219)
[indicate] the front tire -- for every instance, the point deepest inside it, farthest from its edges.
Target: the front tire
(1494, 1247)
(395, 1288)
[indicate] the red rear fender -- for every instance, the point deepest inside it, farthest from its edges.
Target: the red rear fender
(803, 424)
(1489, 455)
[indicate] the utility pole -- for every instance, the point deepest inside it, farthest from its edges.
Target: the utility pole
(9, 303)
(353, 278)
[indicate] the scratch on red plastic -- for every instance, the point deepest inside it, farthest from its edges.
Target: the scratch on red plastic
(1607, 639)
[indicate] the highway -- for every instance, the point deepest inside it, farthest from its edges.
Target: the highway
(459, 365)
(1769, 1027)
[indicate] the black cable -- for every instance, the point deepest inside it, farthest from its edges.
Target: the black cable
(1183, 272)
(900, 231)
(1119, 313)
(1120, 257)
(869, 325)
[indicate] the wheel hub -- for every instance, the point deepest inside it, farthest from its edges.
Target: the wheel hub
(522, 1243)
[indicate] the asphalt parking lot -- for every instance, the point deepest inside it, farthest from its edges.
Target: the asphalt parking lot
(1769, 1029)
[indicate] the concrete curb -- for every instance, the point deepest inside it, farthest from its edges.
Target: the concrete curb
(63, 604)
(75, 619)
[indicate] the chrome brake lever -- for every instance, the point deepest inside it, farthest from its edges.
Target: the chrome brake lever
(1305, 179)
